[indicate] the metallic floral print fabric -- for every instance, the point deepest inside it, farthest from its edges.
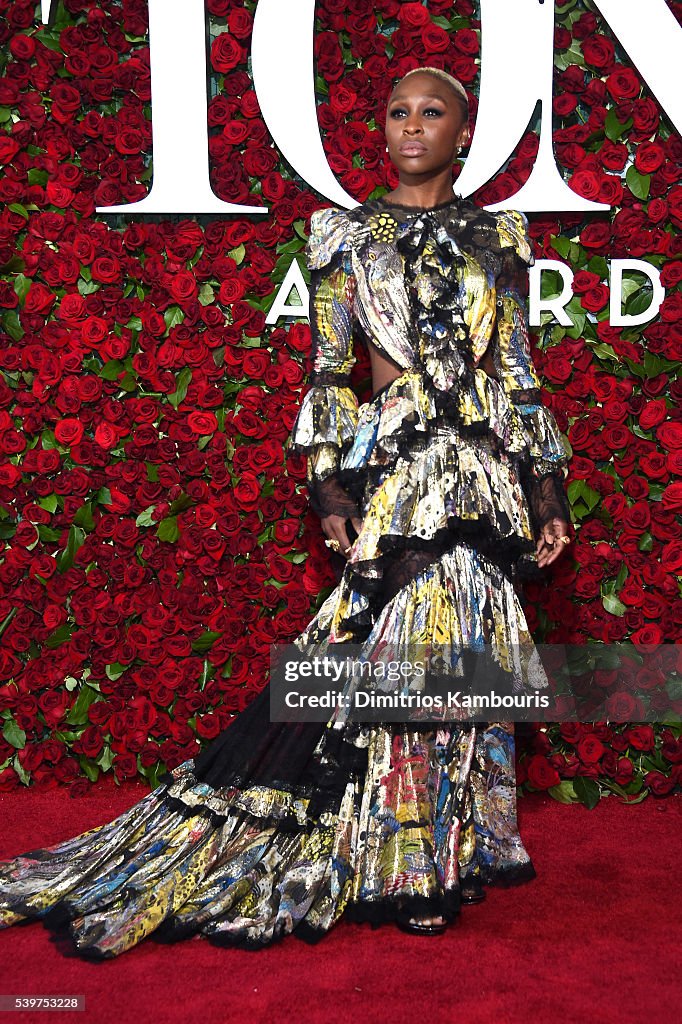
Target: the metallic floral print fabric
(298, 828)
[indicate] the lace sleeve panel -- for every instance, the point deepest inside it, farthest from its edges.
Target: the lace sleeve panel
(549, 450)
(327, 419)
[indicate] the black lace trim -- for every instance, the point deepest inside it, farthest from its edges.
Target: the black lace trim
(329, 378)
(328, 497)
(547, 499)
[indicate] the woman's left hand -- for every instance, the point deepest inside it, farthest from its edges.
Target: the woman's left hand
(549, 547)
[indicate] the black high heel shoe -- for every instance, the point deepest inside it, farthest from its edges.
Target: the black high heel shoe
(472, 896)
(404, 920)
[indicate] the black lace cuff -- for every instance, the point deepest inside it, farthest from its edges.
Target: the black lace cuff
(329, 498)
(547, 498)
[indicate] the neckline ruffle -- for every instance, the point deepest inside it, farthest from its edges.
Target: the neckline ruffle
(456, 200)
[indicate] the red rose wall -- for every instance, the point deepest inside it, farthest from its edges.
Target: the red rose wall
(155, 532)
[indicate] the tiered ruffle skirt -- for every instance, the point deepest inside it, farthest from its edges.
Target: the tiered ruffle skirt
(285, 827)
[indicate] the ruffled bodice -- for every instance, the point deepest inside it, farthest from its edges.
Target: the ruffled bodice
(433, 290)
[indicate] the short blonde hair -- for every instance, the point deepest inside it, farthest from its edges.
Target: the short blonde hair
(454, 83)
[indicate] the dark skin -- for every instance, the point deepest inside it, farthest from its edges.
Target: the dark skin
(425, 126)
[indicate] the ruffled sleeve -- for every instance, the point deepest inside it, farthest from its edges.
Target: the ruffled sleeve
(549, 450)
(327, 419)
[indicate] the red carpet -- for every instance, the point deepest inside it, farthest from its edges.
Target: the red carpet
(595, 939)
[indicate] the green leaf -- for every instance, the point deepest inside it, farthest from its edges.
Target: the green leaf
(237, 254)
(206, 294)
(67, 557)
(18, 208)
(49, 503)
(24, 776)
(598, 265)
(10, 321)
(204, 642)
(550, 284)
(580, 490)
(173, 316)
(105, 759)
(111, 370)
(587, 791)
(564, 792)
(168, 529)
(128, 382)
(614, 128)
(566, 58)
(154, 772)
(87, 287)
(146, 518)
(103, 496)
(184, 501)
(8, 618)
(182, 384)
(90, 770)
(115, 670)
(59, 637)
(639, 184)
(613, 605)
(15, 736)
(83, 517)
(674, 689)
(78, 715)
(561, 245)
(22, 285)
(48, 534)
(646, 542)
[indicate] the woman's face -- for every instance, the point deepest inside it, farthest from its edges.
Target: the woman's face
(425, 125)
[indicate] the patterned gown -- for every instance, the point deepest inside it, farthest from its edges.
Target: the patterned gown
(284, 827)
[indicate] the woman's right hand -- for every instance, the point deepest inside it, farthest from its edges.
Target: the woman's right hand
(334, 528)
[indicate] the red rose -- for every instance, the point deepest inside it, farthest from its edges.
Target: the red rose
(413, 15)
(202, 422)
(595, 298)
(183, 286)
(623, 84)
(590, 749)
(68, 431)
(599, 52)
(226, 53)
(641, 737)
(672, 497)
(8, 149)
(596, 236)
(247, 492)
(39, 299)
(541, 774)
(106, 436)
(255, 363)
(585, 183)
(670, 435)
(659, 784)
(671, 557)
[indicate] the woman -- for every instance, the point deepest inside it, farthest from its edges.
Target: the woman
(451, 476)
